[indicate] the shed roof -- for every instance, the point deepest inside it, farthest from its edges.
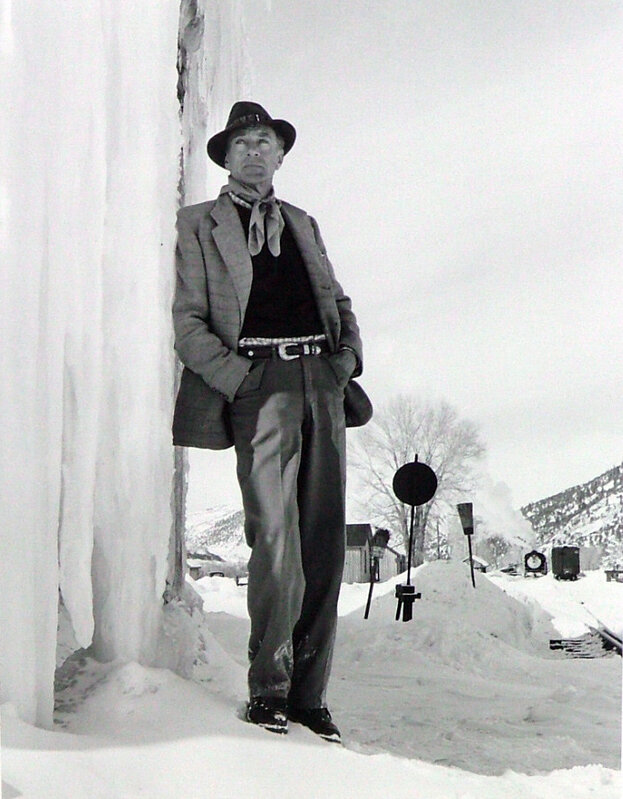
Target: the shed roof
(395, 552)
(476, 559)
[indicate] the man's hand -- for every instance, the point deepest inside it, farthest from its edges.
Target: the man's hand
(343, 364)
(252, 380)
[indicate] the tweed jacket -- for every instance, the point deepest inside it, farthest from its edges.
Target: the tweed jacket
(214, 276)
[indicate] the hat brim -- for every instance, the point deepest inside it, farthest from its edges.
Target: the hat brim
(217, 144)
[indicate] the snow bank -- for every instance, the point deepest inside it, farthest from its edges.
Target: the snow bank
(575, 605)
(457, 621)
(222, 595)
(147, 732)
(471, 682)
(436, 708)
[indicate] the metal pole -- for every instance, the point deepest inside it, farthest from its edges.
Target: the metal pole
(365, 615)
(471, 559)
(372, 581)
(410, 545)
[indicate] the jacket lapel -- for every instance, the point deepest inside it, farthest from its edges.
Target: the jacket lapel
(229, 238)
(322, 286)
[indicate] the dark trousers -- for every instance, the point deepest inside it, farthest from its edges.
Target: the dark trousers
(290, 447)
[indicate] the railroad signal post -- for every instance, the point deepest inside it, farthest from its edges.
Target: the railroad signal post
(414, 484)
(466, 515)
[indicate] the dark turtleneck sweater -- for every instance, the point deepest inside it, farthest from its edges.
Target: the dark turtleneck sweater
(281, 302)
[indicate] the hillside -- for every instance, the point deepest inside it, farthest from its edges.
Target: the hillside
(218, 530)
(590, 514)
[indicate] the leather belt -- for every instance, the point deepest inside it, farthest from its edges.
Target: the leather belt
(286, 350)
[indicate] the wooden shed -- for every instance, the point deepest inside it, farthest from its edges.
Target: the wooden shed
(357, 564)
(359, 539)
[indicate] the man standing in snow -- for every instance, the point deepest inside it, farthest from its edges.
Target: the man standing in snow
(269, 343)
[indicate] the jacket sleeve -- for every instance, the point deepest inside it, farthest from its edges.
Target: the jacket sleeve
(349, 329)
(201, 350)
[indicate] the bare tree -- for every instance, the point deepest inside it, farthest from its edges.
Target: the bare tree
(403, 428)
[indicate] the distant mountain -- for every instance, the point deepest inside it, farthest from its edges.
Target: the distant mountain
(218, 530)
(585, 515)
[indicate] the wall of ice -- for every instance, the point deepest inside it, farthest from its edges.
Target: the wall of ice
(88, 192)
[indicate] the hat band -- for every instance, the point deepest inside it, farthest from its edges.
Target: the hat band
(249, 118)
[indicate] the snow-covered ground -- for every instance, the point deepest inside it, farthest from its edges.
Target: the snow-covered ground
(574, 605)
(464, 701)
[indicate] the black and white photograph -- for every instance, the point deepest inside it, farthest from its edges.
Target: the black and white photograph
(311, 448)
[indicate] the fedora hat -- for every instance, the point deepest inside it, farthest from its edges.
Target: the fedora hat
(245, 114)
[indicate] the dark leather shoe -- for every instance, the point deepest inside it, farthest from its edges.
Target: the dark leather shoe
(269, 713)
(318, 720)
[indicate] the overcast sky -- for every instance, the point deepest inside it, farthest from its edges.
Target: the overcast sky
(464, 161)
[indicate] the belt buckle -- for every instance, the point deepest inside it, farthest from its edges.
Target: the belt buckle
(282, 351)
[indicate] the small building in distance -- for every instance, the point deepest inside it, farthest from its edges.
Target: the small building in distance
(208, 564)
(480, 565)
(359, 541)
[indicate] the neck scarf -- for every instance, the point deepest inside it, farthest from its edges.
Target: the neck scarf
(266, 222)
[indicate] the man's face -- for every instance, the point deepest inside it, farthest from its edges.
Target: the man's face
(254, 155)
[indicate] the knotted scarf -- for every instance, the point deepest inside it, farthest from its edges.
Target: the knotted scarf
(266, 222)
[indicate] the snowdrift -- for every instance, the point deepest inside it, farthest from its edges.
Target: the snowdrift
(453, 621)
(465, 701)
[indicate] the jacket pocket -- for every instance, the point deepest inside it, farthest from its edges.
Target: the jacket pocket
(194, 392)
(253, 379)
(201, 417)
